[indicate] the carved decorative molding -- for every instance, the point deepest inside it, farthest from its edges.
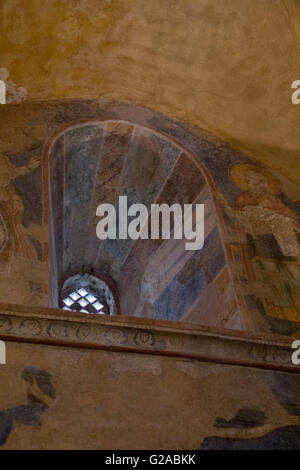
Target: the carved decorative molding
(55, 327)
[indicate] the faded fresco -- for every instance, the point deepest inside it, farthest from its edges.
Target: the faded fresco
(21, 262)
(40, 396)
(183, 104)
(264, 234)
(247, 275)
(72, 398)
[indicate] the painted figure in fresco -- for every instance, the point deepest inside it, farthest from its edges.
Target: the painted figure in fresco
(259, 209)
(14, 241)
(40, 396)
(283, 438)
(268, 236)
(257, 432)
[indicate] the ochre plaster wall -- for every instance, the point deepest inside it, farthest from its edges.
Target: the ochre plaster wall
(82, 399)
(226, 66)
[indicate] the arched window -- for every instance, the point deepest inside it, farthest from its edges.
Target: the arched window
(88, 294)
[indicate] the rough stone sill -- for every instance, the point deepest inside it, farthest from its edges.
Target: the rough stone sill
(145, 336)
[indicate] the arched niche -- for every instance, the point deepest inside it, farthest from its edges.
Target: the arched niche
(96, 162)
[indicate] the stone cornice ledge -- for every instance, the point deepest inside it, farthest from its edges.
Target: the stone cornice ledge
(145, 336)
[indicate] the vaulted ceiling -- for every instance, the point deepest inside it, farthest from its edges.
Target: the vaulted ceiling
(226, 66)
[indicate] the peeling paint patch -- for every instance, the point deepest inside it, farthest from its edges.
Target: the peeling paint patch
(14, 94)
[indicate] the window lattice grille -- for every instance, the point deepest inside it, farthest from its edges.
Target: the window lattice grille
(87, 294)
